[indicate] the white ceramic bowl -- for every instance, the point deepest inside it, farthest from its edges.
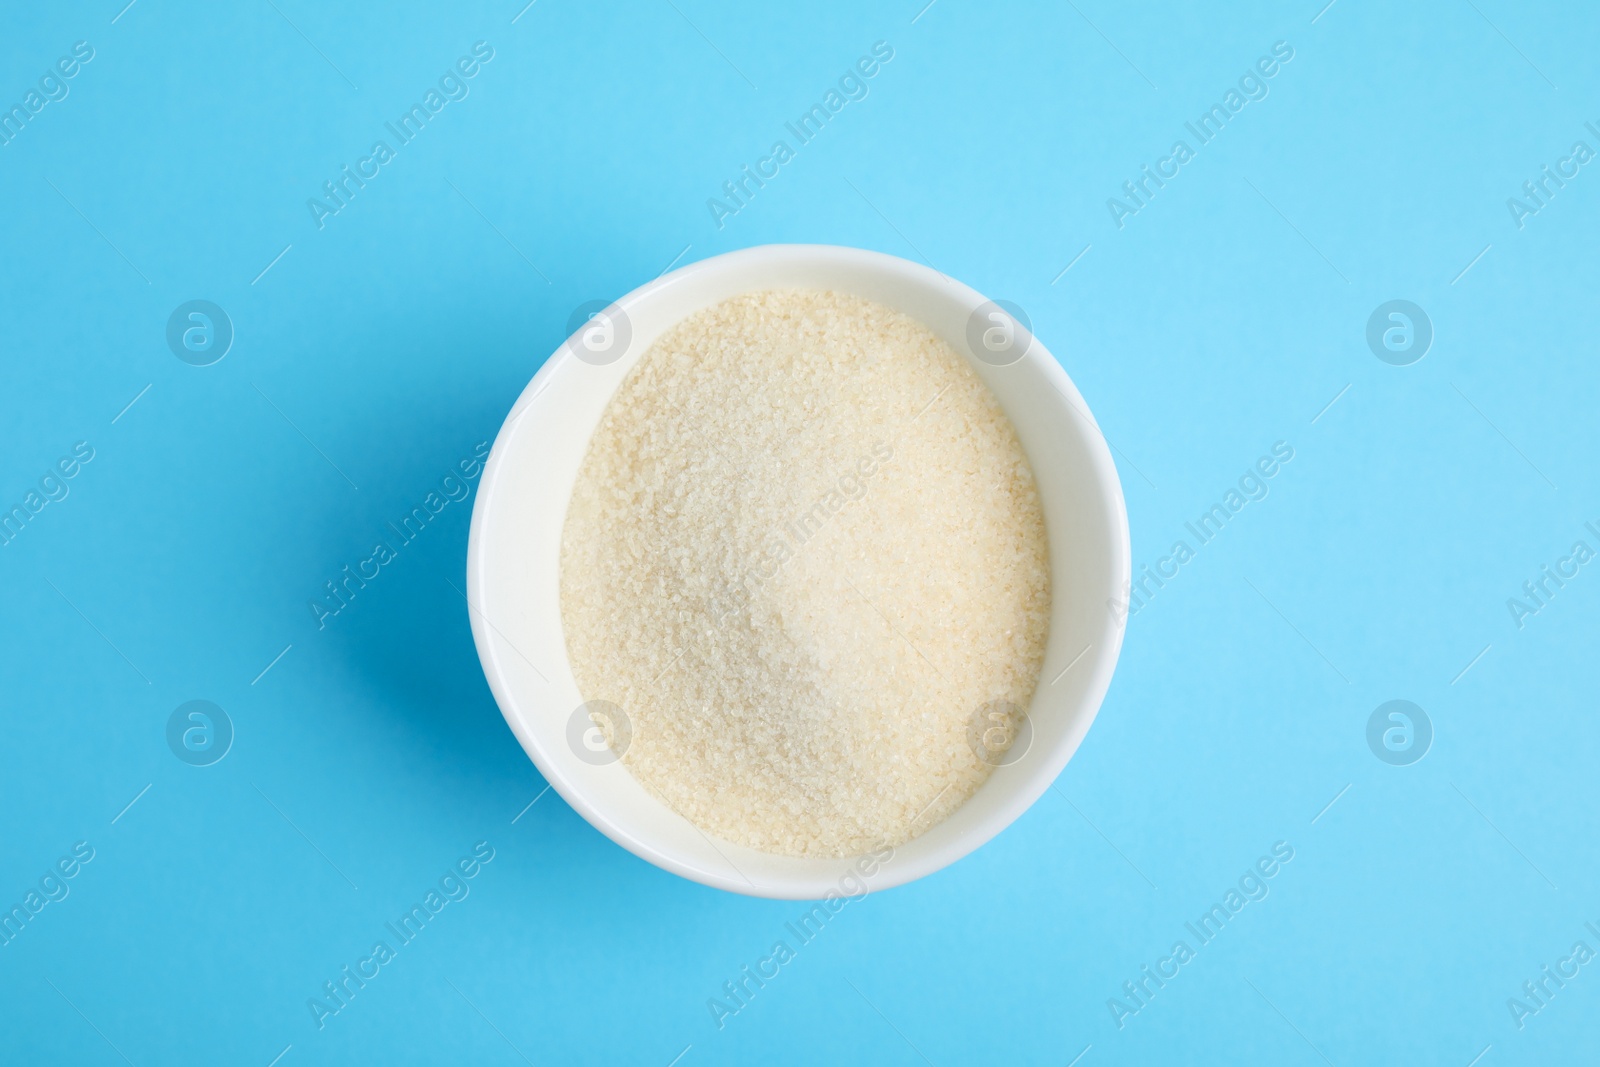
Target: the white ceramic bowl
(513, 561)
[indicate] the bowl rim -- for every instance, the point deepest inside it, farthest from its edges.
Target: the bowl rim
(1102, 473)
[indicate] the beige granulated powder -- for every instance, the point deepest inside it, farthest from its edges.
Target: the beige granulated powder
(804, 549)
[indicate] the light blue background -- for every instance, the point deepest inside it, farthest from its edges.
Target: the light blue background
(1224, 317)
